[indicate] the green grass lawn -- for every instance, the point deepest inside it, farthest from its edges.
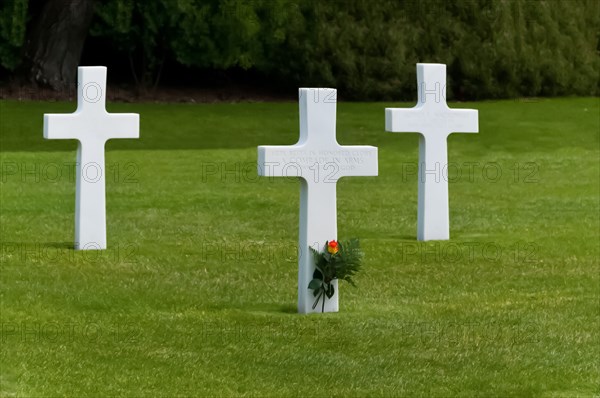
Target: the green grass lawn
(196, 294)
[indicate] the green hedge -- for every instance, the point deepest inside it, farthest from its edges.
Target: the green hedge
(13, 19)
(365, 48)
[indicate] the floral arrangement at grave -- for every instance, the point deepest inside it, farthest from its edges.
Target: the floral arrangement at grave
(339, 260)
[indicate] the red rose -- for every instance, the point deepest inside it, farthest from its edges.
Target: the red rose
(332, 247)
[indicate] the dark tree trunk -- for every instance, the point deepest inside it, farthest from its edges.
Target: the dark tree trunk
(55, 41)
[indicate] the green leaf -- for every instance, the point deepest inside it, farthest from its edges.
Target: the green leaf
(315, 284)
(330, 291)
(318, 274)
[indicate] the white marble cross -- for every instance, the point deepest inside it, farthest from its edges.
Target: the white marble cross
(435, 121)
(320, 162)
(92, 126)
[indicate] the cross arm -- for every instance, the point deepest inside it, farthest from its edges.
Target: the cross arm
(360, 161)
(422, 119)
(97, 126)
(399, 120)
(122, 125)
(277, 161)
(62, 126)
(463, 121)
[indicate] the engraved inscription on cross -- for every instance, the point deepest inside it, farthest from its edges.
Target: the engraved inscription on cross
(92, 126)
(435, 121)
(320, 162)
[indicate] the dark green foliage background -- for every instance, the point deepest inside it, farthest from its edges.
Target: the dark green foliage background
(365, 48)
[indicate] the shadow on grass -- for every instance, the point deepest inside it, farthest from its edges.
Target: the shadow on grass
(288, 309)
(59, 245)
(44, 245)
(263, 308)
